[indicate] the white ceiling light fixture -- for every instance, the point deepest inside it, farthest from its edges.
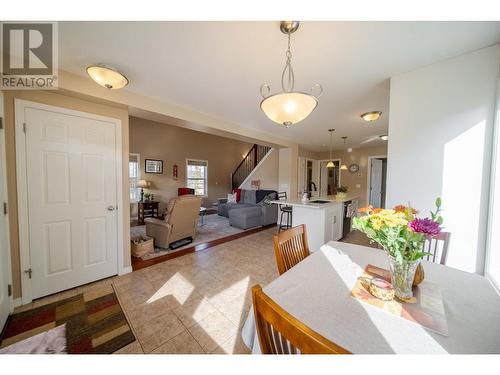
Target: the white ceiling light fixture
(289, 107)
(384, 137)
(107, 76)
(371, 116)
(343, 167)
(330, 163)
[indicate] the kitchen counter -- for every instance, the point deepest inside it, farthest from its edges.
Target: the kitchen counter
(324, 221)
(332, 199)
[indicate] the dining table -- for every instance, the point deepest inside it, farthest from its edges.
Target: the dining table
(317, 291)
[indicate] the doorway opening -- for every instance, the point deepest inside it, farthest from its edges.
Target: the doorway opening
(377, 177)
(329, 178)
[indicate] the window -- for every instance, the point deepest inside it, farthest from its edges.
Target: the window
(133, 173)
(492, 270)
(197, 176)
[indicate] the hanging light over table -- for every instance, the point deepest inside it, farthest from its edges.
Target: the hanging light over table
(330, 163)
(343, 167)
(289, 107)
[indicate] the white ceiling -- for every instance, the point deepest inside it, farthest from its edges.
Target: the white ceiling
(217, 67)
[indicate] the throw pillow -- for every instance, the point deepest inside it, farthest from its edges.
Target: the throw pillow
(231, 198)
(238, 195)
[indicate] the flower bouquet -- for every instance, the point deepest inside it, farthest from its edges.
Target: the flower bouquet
(402, 235)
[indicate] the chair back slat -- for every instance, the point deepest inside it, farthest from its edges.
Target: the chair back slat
(437, 247)
(281, 333)
(290, 247)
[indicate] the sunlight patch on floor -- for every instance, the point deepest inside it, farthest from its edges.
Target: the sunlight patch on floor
(177, 286)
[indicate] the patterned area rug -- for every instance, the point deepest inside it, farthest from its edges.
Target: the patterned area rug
(94, 321)
(214, 227)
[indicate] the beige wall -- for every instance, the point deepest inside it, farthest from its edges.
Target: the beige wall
(309, 154)
(56, 99)
(360, 157)
(173, 145)
(266, 172)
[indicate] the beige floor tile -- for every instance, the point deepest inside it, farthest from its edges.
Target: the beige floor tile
(132, 348)
(234, 345)
(159, 330)
(236, 310)
(180, 344)
(142, 313)
(232, 291)
(213, 331)
(194, 310)
(160, 273)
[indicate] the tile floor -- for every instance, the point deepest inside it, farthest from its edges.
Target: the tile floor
(196, 303)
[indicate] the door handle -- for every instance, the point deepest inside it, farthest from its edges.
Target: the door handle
(111, 208)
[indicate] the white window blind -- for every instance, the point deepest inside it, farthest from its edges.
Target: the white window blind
(133, 172)
(197, 176)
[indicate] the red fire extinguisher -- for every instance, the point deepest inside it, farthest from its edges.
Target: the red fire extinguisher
(176, 171)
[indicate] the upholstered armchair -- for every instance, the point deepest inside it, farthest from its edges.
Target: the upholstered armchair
(180, 221)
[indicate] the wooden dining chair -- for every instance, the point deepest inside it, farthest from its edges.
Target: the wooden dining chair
(437, 247)
(281, 333)
(290, 247)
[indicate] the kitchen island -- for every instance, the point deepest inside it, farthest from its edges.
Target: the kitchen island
(323, 217)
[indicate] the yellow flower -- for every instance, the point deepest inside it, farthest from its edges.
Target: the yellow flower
(389, 218)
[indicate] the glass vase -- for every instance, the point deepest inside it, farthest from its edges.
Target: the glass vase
(402, 275)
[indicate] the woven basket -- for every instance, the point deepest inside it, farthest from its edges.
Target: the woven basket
(141, 245)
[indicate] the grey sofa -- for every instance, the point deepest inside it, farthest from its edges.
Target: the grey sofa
(252, 210)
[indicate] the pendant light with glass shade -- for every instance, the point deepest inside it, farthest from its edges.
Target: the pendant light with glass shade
(289, 107)
(343, 167)
(330, 163)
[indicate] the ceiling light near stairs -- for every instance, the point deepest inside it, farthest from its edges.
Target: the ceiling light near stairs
(107, 76)
(289, 107)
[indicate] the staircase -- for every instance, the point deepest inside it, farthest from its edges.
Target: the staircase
(248, 164)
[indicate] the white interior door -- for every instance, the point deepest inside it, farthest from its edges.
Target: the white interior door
(72, 199)
(323, 190)
(315, 179)
(5, 303)
(301, 178)
(376, 182)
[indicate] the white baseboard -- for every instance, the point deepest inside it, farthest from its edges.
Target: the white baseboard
(125, 270)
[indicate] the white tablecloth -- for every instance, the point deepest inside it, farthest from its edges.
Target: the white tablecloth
(317, 292)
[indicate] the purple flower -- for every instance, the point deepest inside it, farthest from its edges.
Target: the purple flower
(425, 226)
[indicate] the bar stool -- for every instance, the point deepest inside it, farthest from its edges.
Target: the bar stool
(285, 209)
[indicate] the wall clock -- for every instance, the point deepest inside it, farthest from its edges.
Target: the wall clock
(353, 168)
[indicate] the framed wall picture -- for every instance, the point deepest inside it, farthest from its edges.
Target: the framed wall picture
(153, 166)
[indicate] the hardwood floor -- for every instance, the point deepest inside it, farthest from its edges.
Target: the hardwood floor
(138, 263)
(358, 238)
